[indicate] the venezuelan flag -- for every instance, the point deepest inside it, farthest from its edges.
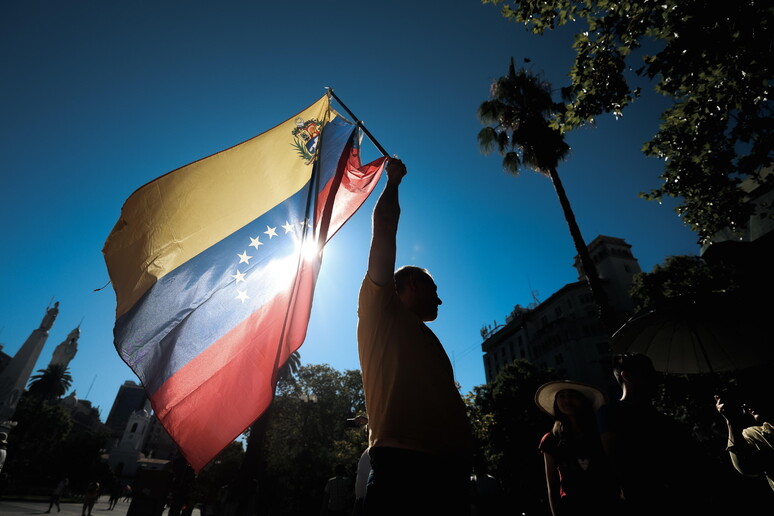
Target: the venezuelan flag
(214, 266)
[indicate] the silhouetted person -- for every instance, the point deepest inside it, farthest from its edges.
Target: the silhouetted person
(578, 474)
(363, 470)
(3, 449)
(656, 463)
(56, 494)
(90, 498)
(750, 439)
(339, 493)
(181, 487)
(115, 494)
(127, 494)
(419, 435)
(486, 494)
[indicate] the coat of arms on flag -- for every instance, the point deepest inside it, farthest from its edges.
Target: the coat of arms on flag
(306, 134)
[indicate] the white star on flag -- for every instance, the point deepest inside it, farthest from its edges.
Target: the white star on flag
(255, 242)
(239, 276)
(242, 296)
(271, 232)
(288, 227)
(243, 258)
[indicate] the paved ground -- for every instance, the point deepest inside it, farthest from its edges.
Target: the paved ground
(14, 508)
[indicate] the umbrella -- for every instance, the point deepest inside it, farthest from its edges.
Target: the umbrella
(711, 333)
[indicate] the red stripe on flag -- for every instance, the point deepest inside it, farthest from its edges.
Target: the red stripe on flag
(238, 371)
(232, 382)
(357, 183)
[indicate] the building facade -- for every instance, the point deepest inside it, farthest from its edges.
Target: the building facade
(66, 350)
(140, 442)
(564, 331)
(144, 444)
(130, 398)
(85, 416)
(750, 248)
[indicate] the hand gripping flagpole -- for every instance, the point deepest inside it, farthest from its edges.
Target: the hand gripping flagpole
(359, 123)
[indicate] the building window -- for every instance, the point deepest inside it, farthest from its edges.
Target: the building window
(134, 427)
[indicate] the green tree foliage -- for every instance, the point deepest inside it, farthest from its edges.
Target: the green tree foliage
(79, 457)
(40, 432)
(218, 473)
(241, 493)
(48, 445)
(518, 117)
(508, 427)
(307, 437)
(712, 58)
(680, 276)
(253, 461)
(50, 383)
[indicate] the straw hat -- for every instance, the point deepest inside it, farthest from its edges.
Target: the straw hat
(546, 394)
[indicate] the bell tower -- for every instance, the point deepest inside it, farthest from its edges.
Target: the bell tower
(65, 351)
(14, 377)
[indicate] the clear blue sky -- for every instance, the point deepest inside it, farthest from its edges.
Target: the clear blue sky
(99, 98)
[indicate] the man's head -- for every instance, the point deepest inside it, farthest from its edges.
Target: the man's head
(418, 291)
(635, 374)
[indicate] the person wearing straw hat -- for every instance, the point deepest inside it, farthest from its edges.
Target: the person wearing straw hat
(578, 475)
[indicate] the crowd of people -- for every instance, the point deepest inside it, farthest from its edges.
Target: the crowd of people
(89, 497)
(602, 456)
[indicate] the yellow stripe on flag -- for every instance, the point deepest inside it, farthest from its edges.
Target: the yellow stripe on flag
(175, 217)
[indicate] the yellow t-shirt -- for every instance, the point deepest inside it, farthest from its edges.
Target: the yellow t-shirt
(411, 399)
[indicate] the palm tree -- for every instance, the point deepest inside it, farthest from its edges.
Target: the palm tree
(518, 119)
(289, 370)
(50, 383)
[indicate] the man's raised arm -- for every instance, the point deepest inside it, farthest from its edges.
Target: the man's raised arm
(381, 260)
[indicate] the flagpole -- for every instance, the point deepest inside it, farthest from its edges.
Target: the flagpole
(359, 123)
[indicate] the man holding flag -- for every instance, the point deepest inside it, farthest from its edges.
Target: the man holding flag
(419, 434)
